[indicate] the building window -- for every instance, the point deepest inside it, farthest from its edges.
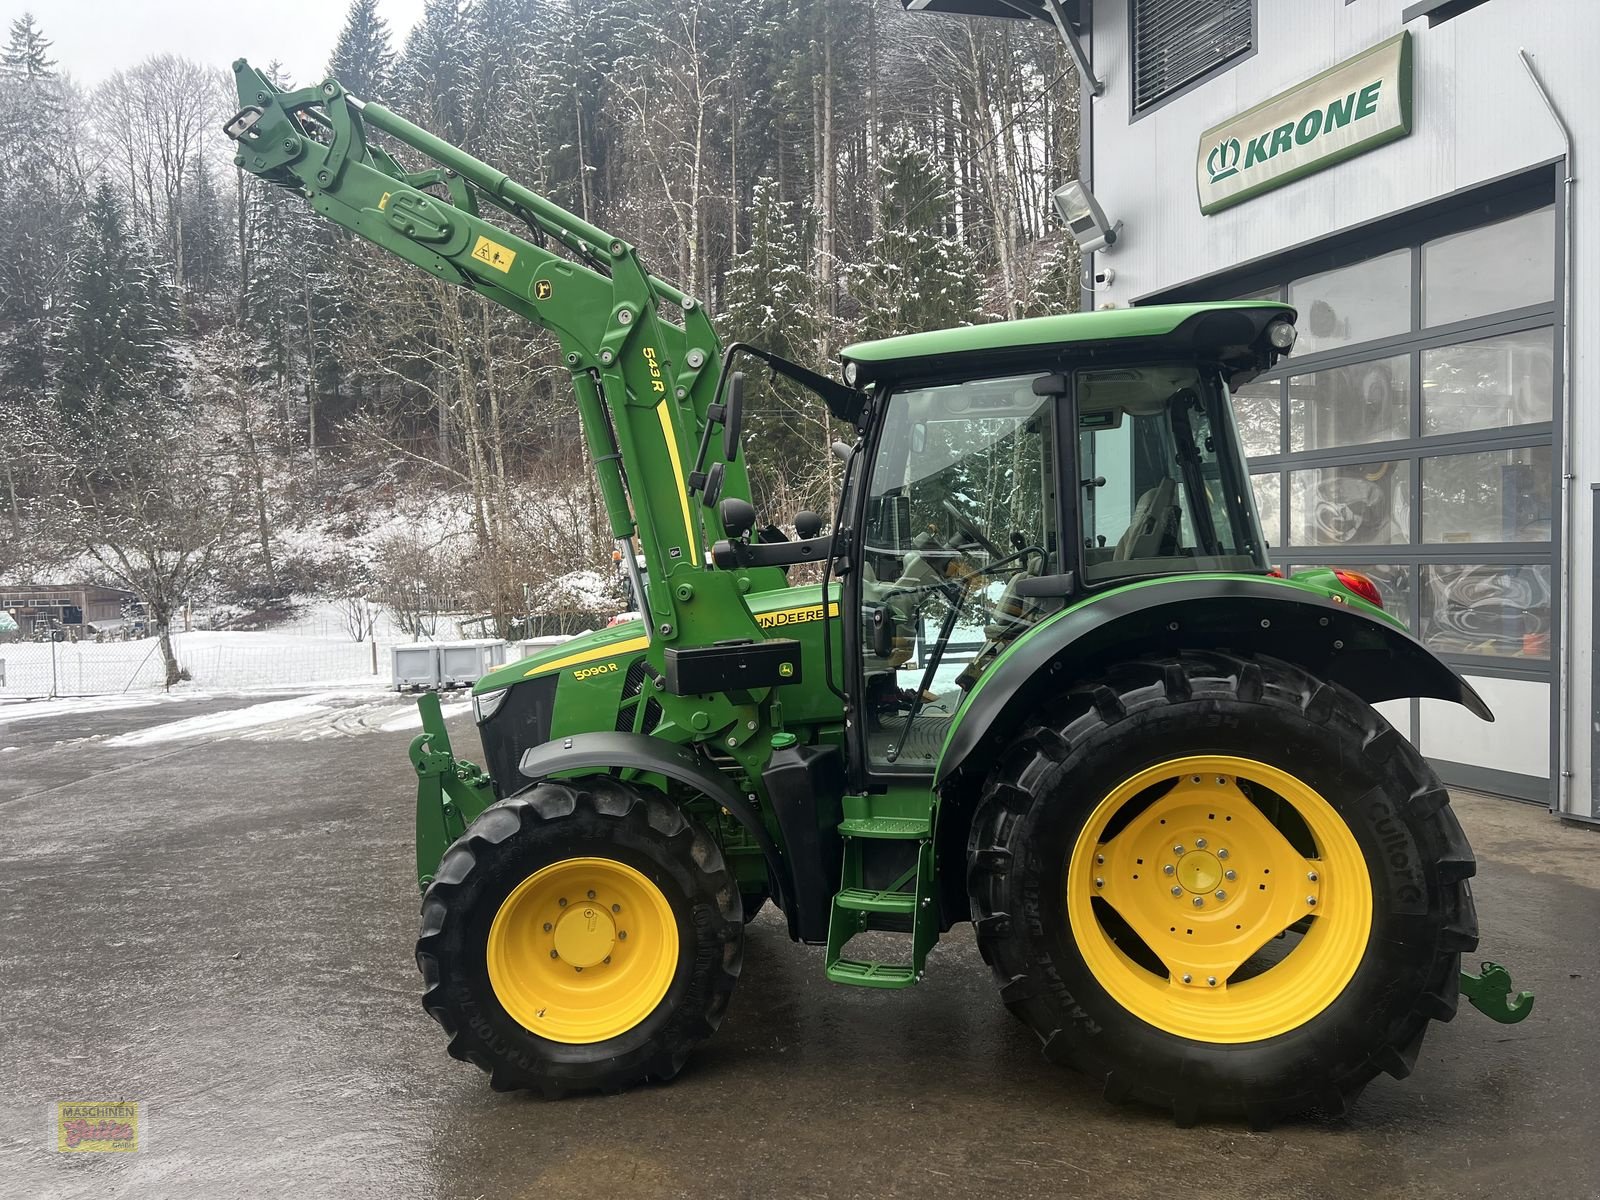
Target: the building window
(1411, 433)
(1507, 265)
(1350, 406)
(1177, 42)
(1359, 303)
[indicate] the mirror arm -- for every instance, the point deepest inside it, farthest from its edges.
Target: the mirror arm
(734, 555)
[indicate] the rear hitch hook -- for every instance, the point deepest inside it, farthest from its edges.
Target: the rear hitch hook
(1489, 992)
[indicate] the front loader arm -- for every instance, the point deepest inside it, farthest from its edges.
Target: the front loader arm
(644, 384)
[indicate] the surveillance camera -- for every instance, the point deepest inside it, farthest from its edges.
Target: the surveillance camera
(1104, 277)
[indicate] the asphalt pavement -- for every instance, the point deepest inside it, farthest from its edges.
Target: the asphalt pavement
(222, 930)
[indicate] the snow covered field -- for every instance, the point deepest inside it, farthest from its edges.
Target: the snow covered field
(311, 648)
(213, 659)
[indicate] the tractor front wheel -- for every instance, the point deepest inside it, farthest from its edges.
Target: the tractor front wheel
(580, 936)
(1222, 887)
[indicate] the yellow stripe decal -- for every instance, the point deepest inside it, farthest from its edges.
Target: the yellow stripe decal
(677, 471)
(610, 650)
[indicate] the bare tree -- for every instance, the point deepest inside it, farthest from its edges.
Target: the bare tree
(156, 504)
(165, 112)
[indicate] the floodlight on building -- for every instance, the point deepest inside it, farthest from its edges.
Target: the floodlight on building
(1084, 217)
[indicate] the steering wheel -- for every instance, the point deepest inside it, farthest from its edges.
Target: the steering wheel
(971, 531)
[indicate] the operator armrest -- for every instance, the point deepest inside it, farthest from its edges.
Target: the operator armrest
(732, 555)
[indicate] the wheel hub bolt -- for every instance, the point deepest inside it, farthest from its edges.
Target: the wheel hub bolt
(1200, 843)
(1312, 876)
(1099, 882)
(1211, 981)
(1177, 891)
(548, 927)
(562, 902)
(1188, 978)
(553, 954)
(1222, 854)
(577, 968)
(616, 908)
(1199, 901)
(1177, 848)
(591, 893)
(1230, 873)
(1100, 858)
(1221, 895)
(1312, 901)
(622, 935)
(1168, 869)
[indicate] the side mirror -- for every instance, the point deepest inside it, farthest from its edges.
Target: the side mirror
(738, 516)
(841, 451)
(807, 524)
(733, 416)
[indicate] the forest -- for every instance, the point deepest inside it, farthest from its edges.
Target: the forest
(210, 396)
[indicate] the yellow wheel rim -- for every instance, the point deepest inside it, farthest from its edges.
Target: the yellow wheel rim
(1207, 881)
(583, 950)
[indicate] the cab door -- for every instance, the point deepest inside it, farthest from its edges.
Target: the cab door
(960, 503)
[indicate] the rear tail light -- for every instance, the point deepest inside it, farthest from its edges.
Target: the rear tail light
(1361, 585)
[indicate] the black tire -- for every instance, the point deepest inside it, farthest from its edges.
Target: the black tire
(594, 817)
(1038, 800)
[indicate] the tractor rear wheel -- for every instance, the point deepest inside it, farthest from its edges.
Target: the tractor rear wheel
(580, 936)
(1223, 887)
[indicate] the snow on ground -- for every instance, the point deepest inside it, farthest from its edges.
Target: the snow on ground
(33, 710)
(341, 713)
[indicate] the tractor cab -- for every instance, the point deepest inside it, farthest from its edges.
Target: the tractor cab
(1001, 481)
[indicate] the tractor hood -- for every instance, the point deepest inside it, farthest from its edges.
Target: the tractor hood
(1232, 333)
(602, 643)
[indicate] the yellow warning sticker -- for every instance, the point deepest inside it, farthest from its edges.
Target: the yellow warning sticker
(493, 254)
(384, 203)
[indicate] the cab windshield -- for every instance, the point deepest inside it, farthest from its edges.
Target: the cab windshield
(1163, 484)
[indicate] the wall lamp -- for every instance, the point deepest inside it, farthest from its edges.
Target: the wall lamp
(1084, 217)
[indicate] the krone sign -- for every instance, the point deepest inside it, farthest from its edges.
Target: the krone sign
(1363, 102)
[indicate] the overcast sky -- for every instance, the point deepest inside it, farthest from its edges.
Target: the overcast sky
(94, 38)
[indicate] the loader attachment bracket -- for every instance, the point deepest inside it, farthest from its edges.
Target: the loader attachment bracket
(451, 792)
(1489, 992)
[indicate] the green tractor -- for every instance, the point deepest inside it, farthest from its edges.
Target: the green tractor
(1043, 679)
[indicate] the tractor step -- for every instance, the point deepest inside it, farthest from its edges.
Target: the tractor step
(904, 828)
(872, 974)
(869, 901)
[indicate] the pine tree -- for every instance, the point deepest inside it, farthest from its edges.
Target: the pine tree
(915, 275)
(25, 52)
(363, 59)
(1057, 287)
(771, 298)
(772, 303)
(116, 349)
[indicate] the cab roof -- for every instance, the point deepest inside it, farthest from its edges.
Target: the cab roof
(1226, 331)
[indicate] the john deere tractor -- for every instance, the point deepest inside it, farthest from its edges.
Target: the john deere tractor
(1043, 679)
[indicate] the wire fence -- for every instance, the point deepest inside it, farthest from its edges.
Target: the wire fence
(36, 669)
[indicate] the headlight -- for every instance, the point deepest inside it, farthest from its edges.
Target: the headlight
(484, 706)
(1281, 334)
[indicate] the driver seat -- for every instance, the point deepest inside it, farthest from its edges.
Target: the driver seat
(1153, 525)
